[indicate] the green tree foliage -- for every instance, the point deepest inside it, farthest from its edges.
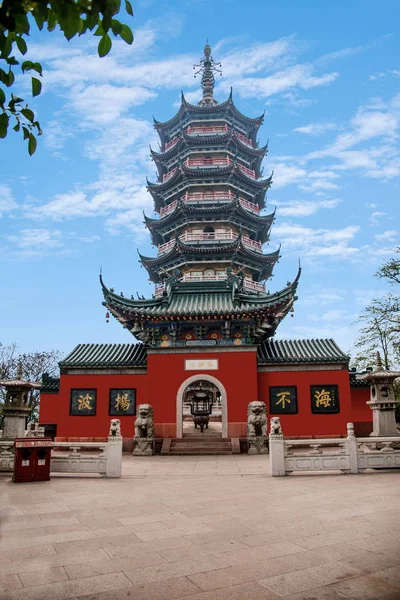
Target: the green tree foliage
(34, 364)
(390, 270)
(72, 17)
(380, 323)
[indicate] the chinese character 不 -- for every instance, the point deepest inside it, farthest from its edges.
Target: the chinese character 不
(122, 402)
(284, 397)
(323, 398)
(84, 402)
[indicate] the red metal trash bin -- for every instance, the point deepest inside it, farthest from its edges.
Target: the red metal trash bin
(32, 459)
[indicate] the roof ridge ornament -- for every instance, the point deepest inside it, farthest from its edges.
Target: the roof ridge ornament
(206, 68)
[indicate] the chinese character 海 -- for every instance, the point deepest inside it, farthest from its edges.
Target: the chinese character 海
(284, 397)
(323, 398)
(122, 402)
(84, 402)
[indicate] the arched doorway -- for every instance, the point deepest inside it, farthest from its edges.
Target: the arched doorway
(189, 387)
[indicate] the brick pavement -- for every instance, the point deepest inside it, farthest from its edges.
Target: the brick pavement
(201, 528)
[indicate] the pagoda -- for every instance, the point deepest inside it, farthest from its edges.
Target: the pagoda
(210, 271)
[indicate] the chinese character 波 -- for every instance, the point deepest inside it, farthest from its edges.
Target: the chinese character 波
(284, 397)
(84, 402)
(122, 402)
(322, 398)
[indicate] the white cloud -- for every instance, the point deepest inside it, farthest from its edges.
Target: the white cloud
(315, 128)
(299, 208)
(375, 217)
(300, 76)
(387, 236)
(103, 104)
(322, 296)
(317, 243)
(31, 242)
(7, 200)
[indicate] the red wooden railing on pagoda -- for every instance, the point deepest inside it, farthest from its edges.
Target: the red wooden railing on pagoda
(211, 236)
(208, 162)
(169, 175)
(247, 282)
(211, 129)
(209, 197)
(248, 172)
(207, 129)
(169, 145)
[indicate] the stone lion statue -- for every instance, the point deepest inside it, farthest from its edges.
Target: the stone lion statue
(115, 428)
(257, 428)
(275, 426)
(256, 419)
(144, 431)
(144, 426)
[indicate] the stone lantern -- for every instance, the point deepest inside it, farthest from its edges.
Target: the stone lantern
(382, 399)
(16, 406)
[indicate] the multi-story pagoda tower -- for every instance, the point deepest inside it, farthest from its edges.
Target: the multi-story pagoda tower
(210, 269)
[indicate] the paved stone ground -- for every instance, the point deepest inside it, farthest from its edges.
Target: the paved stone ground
(202, 528)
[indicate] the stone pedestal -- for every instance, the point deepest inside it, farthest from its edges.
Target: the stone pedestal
(384, 419)
(14, 425)
(257, 444)
(143, 446)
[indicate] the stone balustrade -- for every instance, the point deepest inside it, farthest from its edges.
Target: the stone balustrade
(348, 454)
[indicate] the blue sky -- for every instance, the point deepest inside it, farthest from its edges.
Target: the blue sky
(328, 76)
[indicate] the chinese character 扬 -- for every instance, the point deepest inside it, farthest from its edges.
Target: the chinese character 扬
(84, 402)
(323, 398)
(122, 402)
(284, 397)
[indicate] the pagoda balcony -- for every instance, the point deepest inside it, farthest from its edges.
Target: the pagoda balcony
(244, 139)
(165, 210)
(194, 197)
(207, 196)
(253, 244)
(248, 172)
(253, 285)
(165, 247)
(249, 205)
(208, 162)
(170, 144)
(168, 175)
(208, 236)
(211, 236)
(207, 130)
(247, 282)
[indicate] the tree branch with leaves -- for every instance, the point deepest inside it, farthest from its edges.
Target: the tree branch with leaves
(72, 17)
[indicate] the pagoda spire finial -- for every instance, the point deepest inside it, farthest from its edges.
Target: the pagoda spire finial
(206, 68)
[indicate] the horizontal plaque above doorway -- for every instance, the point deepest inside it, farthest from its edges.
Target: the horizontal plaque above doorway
(201, 364)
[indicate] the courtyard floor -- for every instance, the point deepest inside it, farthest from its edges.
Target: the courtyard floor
(201, 528)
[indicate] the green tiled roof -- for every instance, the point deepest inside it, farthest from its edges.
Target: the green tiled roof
(301, 351)
(106, 355)
(358, 383)
(270, 351)
(50, 385)
(198, 298)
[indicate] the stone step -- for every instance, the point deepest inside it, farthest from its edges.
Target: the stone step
(200, 445)
(197, 451)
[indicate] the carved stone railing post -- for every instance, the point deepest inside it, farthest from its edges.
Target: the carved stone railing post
(352, 448)
(114, 450)
(276, 449)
